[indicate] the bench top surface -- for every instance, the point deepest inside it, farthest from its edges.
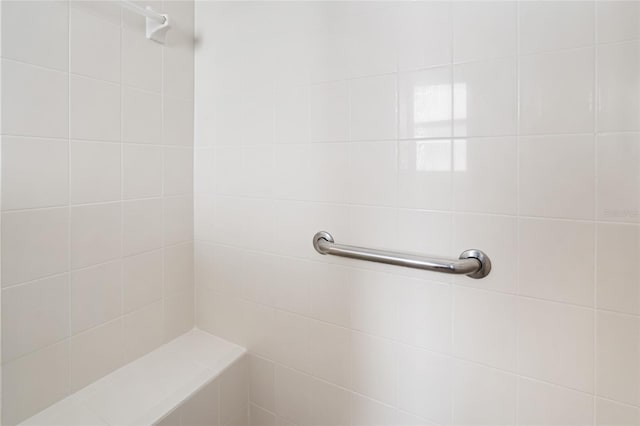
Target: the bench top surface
(145, 390)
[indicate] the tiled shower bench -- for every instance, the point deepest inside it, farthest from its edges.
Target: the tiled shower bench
(196, 379)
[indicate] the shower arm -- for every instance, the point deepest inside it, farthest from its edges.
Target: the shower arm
(157, 24)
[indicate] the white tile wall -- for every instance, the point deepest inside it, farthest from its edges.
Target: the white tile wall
(561, 191)
(617, 21)
(545, 242)
(485, 327)
(46, 299)
(373, 108)
(141, 171)
(92, 50)
(419, 30)
(48, 47)
(94, 172)
(95, 353)
(424, 384)
(484, 97)
(141, 116)
(474, 405)
(425, 100)
(441, 126)
(612, 413)
(142, 280)
(617, 357)
(47, 172)
(616, 272)
(329, 112)
(141, 226)
(543, 403)
(479, 184)
(96, 234)
(35, 381)
(555, 343)
(567, 25)
(39, 100)
(483, 30)
(556, 92)
(90, 119)
(43, 234)
(617, 181)
(95, 295)
(431, 127)
(91, 281)
(618, 66)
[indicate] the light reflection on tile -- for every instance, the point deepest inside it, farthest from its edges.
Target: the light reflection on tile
(425, 103)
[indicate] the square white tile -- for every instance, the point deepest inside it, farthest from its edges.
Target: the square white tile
(34, 173)
(557, 92)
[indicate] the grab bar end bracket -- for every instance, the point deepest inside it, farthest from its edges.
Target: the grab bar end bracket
(322, 235)
(485, 262)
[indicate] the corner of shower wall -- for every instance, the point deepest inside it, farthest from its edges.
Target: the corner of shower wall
(214, 28)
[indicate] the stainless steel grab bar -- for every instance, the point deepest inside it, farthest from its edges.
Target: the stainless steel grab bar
(472, 263)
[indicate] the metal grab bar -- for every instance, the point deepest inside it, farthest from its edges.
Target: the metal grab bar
(472, 263)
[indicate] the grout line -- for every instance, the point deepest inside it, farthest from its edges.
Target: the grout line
(452, 201)
(163, 190)
(517, 236)
(123, 353)
(1, 228)
(408, 209)
(328, 143)
(194, 315)
(69, 222)
(380, 140)
(102, 141)
(186, 195)
(596, 101)
(396, 201)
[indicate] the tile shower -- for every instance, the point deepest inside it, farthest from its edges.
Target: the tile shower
(150, 188)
